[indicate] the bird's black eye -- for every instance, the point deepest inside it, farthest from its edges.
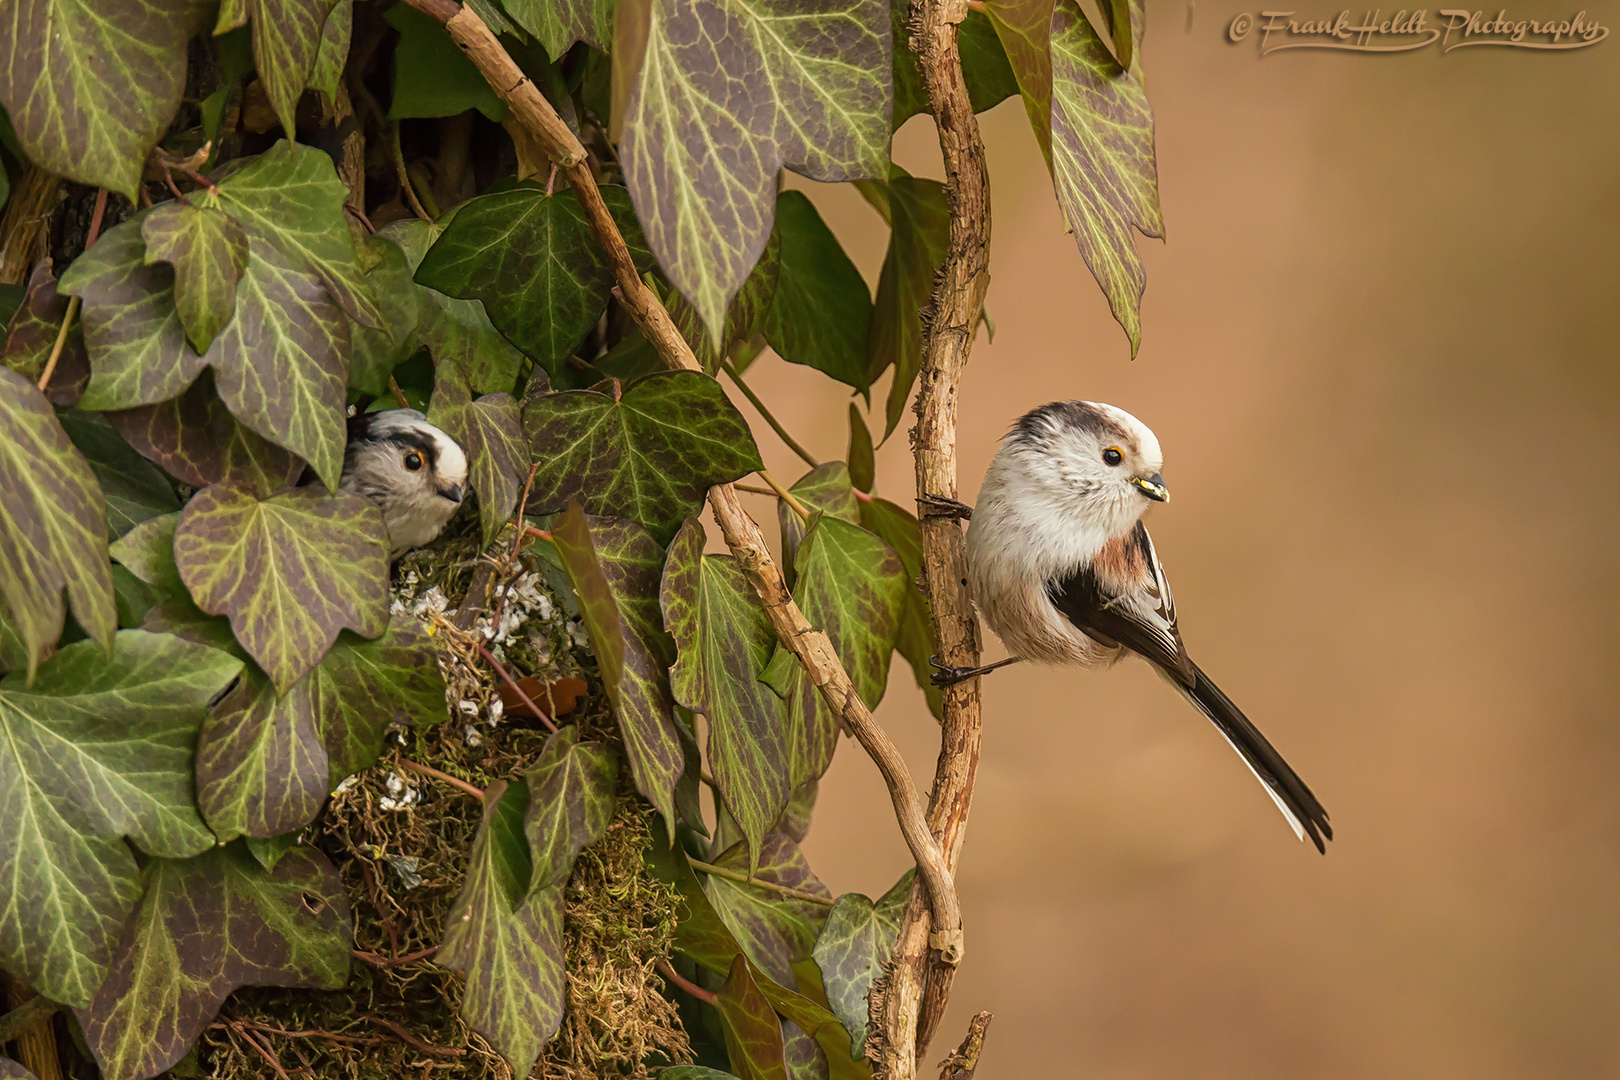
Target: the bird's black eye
(413, 462)
(1112, 456)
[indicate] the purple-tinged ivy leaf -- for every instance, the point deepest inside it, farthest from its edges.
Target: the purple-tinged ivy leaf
(10, 1070)
(752, 1032)
(97, 749)
(560, 23)
(53, 525)
(855, 943)
(289, 571)
(615, 567)
(775, 930)
(31, 335)
(209, 253)
(91, 86)
(333, 53)
(490, 431)
(745, 315)
(286, 40)
(505, 939)
(570, 803)
(204, 927)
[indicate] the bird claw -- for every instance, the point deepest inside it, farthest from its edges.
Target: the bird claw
(945, 675)
(942, 508)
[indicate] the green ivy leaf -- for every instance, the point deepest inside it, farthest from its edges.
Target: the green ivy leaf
(1102, 159)
(266, 762)
(744, 315)
(724, 641)
(615, 567)
(752, 1032)
(286, 40)
(821, 312)
(560, 23)
(915, 638)
(53, 524)
(147, 551)
(99, 748)
(31, 334)
(195, 439)
(854, 945)
(432, 77)
(289, 571)
(490, 431)
(333, 54)
(378, 352)
(135, 490)
(990, 79)
(1025, 30)
(534, 262)
(506, 940)
(727, 94)
(824, 489)
(775, 930)
(570, 803)
(91, 87)
(206, 926)
(133, 597)
(269, 852)
(649, 456)
(291, 196)
(209, 253)
(862, 458)
(919, 233)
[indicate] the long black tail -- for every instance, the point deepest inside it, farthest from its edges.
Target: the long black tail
(1283, 784)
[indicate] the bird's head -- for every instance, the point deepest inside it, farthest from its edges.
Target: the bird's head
(416, 473)
(1094, 462)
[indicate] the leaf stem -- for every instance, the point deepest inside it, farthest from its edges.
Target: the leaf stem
(785, 495)
(73, 304)
(545, 718)
(404, 174)
(753, 399)
(668, 971)
(738, 875)
(453, 781)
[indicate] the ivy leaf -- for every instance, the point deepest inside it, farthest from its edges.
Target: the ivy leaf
(135, 490)
(100, 747)
(854, 945)
(560, 23)
(915, 638)
(266, 762)
(615, 567)
(535, 263)
(195, 439)
(862, 458)
(10, 1070)
(206, 926)
(133, 597)
(919, 222)
(570, 803)
(989, 76)
(821, 312)
(286, 39)
(727, 94)
(744, 315)
(53, 525)
(490, 430)
(507, 940)
(724, 641)
(377, 352)
(824, 489)
(291, 196)
(147, 551)
(775, 930)
(91, 87)
(648, 454)
(1025, 30)
(752, 1032)
(432, 77)
(1102, 159)
(289, 571)
(209, 253)
(31, 334)
(333, 53)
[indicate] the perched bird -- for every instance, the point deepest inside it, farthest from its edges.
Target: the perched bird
(412, 470)
(1064, 571)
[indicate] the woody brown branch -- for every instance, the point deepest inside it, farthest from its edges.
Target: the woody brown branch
(742, 535)
(918, 984)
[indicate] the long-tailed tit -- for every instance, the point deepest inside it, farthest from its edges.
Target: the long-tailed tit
(412, 470)
(1064, 572)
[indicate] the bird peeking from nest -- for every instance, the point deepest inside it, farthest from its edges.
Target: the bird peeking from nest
(413, 471)
(1064, 572)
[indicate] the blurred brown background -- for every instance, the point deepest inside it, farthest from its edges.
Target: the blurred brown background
(1380, 349)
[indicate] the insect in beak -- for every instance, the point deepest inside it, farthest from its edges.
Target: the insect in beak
(453, 493)
(1152, 486)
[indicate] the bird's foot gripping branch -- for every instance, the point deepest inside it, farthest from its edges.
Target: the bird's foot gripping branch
(363, 663)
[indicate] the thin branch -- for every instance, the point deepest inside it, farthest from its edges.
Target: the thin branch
(759, 406)
(36, 1010)
(738, 875)
(406, 1037)
(453, 781)
(73, 304)
(785, 495)
(755, 489)
(742, 534)
(545, 717)
(404, 174)
(399, 395)
(398, 961)
(668, 971)
(248, 1037)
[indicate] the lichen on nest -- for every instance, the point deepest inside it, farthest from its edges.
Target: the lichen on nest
(401, 841)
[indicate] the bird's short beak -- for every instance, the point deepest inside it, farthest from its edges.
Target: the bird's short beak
(1153, 487)
(453, 493)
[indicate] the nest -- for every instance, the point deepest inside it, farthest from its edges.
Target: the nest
(401, 840)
